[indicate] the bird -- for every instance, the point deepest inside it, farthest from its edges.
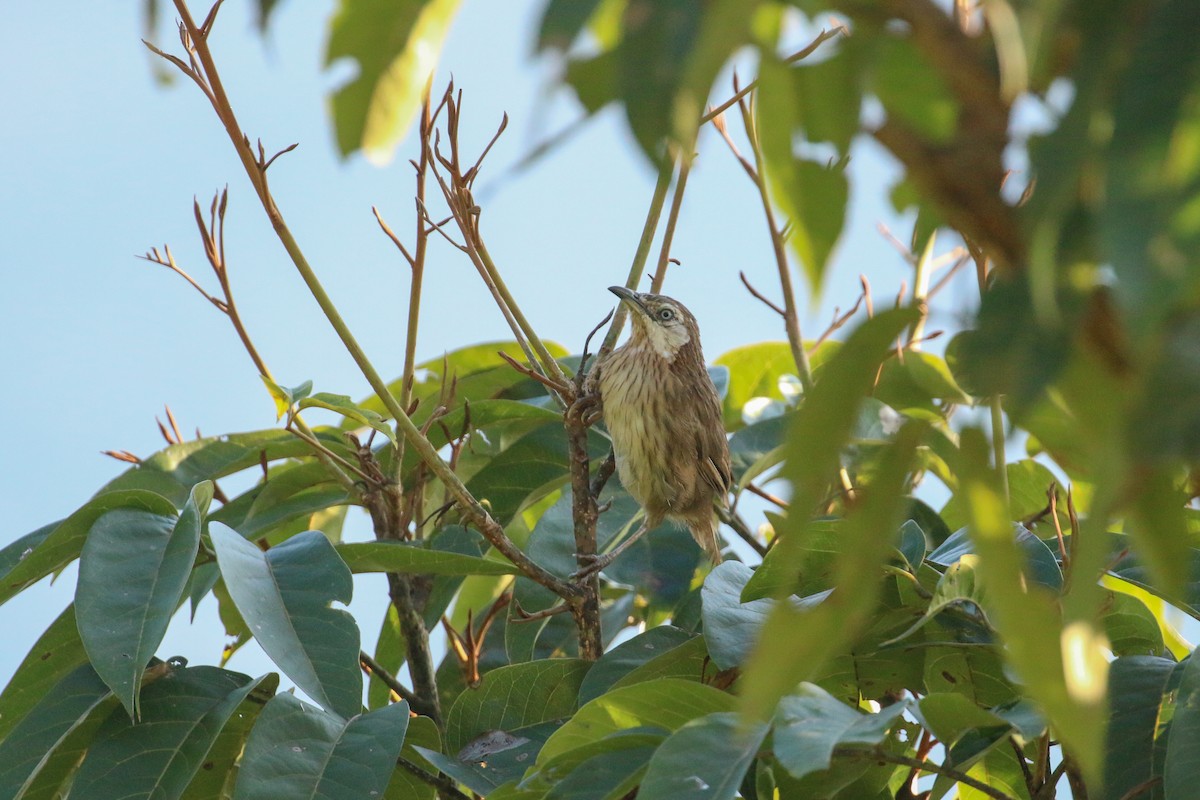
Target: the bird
(663, 415)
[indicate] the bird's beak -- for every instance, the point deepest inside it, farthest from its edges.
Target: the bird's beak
(628, 296)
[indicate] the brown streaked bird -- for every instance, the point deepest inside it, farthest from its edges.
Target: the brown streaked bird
(664, 417)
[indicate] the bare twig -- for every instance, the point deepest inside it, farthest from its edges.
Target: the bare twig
(664, 253)
(760, 296)
(879, 754)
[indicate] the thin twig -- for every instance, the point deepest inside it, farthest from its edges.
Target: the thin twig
(664, 253)
(373, 667)
(446, 786)
(879, 754)
(760, 296)
(822, 37)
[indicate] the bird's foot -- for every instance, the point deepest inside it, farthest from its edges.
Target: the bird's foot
(589, 565)
(587, 409)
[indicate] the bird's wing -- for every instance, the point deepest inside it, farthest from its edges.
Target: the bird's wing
(712, 447)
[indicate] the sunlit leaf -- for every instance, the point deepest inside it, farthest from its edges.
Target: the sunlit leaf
(396, 47)
(706, 758)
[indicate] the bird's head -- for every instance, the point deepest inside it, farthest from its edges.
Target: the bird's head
(659, 322)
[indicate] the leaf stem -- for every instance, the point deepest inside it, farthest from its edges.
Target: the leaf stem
(878, 754)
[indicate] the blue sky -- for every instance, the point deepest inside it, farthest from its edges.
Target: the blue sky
(100, 162)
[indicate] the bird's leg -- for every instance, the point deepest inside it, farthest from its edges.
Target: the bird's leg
(592, 563)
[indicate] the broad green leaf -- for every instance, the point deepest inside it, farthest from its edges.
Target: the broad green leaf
(689, 661)
(827, 97)
(1038, 563)
(669, 56)
(669, 703)
(975, 671)
(403, 557)
(57, 652)
(422, 732)
(297, 750)
(493, 758)
(1061, 664)
(931, 373)
(1131, 627)
(516, 696)
(1137, 706)
(1159, 530)
(795, 644)
(182, 713)
(218, 772)
(731, 626)
(958, 587)
(60, 767)
(292, 493)
(754, 371)
(706, 758)
(29, 560)
(777, 575)
(1147, 213)
(174, 470)
(811, 723)
(343, 405)
(149, 557)
(812, 195)
(1182, 771)
(912, 89)
(604, 770)
(627, 656)
(562, 22)
(1028, 482)
(525, 471)
(396, 47)
(285, 596)
(758, 447)
(950, 716)
(32, 742)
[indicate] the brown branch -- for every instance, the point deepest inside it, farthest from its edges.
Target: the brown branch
(760, 296)
(445, 786)
(372, 667)
(664, 253)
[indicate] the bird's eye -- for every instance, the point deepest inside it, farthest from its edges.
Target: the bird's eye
(666, 315)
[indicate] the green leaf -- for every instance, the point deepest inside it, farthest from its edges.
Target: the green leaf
(1131, 628)
(343, 405)
(403, 557)
(669, 56)
(285, 596)
(57, 652)
(912, 89)
(604, 770)
(525, 471)
(182, 713)
(1147, 218)
(1038, 563)
(284, 397)
(422, 732)
(174, 470)
(297, 750)
(25, 751)
(669, 703)
(811, 723)
(30, 560)
(812, 195)
(754, 371)
(1062, 665)
(150, 558)
(562, 22)
(1136, 689)
(516, 696)
(795, 644)
(1028, 481)
(215, 778)
(827, 97)
(1159, 530)
(777, 575)
(931, 374)
(494, 758)
(706, 758)
(689, 661)
(396, 47)
(731, 626)
(1182, 769)
(627, 656)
